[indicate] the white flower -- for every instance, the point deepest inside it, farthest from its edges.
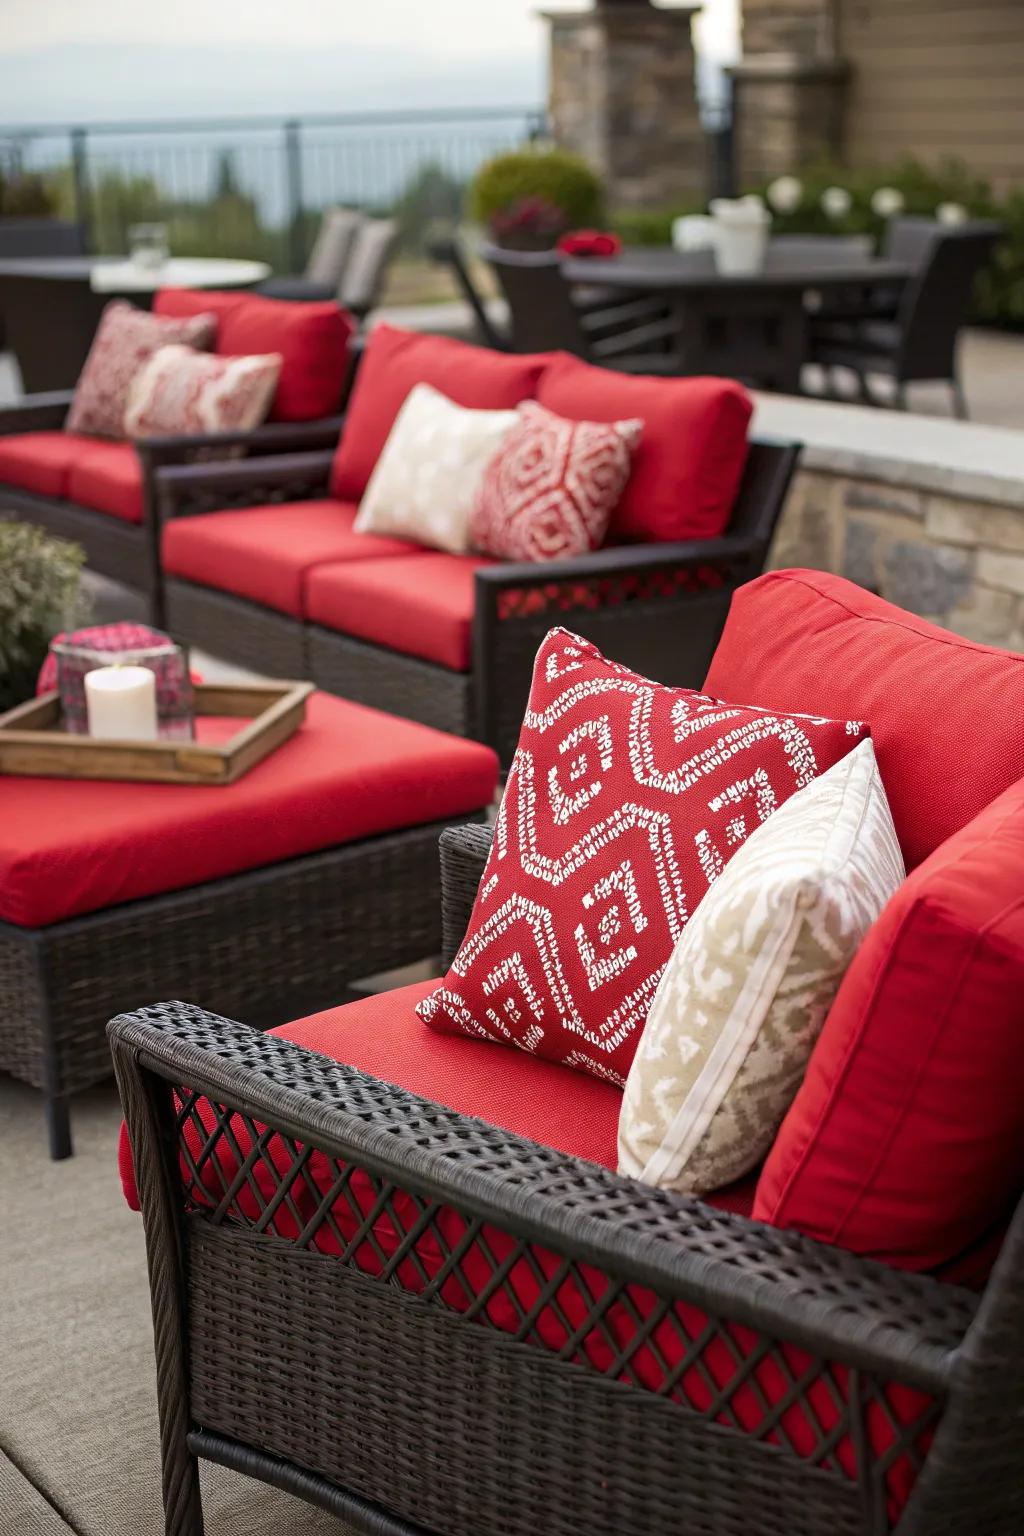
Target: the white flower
(887, 202)
(951, 213)
(836, 202)
(785, 193)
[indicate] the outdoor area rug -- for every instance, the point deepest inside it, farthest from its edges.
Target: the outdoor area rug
(78, 1404)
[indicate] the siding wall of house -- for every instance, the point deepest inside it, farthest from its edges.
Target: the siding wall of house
(936, 78)
(930, 78)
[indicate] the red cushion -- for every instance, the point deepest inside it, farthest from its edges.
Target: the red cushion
(182, 303)
(392, 363)
(312, 338)
(264, 553)
(577, 1115)
(688, 467)
(906, 1139)
(41, 461)
(422, 605)
(108, 478)
(348, 773)
(625, 800)
(946, 715)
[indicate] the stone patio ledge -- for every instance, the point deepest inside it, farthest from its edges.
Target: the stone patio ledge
(928, 452)
(926, 511)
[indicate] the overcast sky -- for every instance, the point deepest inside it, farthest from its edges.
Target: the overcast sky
(450, 28)
(114, 60)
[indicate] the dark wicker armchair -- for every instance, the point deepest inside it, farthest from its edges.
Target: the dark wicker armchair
(658, 608)
(385, 1394)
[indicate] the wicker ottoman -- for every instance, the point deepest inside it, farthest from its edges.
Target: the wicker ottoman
(265, 898)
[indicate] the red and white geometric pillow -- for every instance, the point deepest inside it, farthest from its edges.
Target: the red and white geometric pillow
(551, 488)
(625, 801)
(183, 391)
(125, 340)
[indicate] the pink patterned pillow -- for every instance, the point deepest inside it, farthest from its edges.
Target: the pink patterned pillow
(551, 488)
(182, 391)
(125, 340)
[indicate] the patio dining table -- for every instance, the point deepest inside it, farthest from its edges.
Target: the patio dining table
(51, 304)
(754, 327)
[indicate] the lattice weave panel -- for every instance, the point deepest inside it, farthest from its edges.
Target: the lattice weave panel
(614, 590)
(238, 1171)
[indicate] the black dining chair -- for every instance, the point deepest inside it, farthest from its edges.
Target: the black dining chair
(918, 343)
(787, 253)
(635, 334)
(449, 252)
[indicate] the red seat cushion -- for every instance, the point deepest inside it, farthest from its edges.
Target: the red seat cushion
(312, 338)
(577, 1115)
(348, 773)
(392, 363)
(906, 1139)
(41, 461)
(108, 478)
(946, 715)
(422, 605)
(688, 467)
(264, 553)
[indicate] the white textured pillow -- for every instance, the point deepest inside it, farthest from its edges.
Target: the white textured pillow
(426, 480)
(742, 1000)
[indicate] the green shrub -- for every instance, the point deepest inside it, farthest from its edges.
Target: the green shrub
(27, 196)
(649, 226)
(39, 595)
(999, 294)
(551, 176)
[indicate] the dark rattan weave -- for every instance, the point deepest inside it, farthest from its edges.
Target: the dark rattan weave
(272, 644)
(273, 942)
(401, 685)
(347, 1375)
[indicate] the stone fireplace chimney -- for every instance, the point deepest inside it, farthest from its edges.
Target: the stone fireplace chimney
(622, 95)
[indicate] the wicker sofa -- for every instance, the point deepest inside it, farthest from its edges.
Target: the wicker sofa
(456, 1320)
(100, 492)
(260, 563)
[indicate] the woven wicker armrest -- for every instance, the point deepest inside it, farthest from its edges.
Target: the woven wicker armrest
(274, 437)
(464, 852)
(616, 559)
(37, 413)
(843, 1308)
(657, 607)
(185, 489)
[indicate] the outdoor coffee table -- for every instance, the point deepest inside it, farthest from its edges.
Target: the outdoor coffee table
(263, 899)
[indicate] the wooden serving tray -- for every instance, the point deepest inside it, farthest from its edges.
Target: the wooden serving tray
(32, 743)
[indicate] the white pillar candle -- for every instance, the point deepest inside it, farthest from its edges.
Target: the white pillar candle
(121, 703)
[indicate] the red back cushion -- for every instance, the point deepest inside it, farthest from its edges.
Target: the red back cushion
(624, 801)
(906, 1139)
(946, 715)
(312, 338)
(392, 363)
(688, 467)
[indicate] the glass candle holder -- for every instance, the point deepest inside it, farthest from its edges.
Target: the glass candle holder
(175, 697)
(147, 245)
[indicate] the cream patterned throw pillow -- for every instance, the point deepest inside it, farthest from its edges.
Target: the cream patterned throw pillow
(426, 480)
(752, 976)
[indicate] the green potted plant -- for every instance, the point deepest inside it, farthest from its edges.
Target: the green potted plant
(40, 594)
(527, 199)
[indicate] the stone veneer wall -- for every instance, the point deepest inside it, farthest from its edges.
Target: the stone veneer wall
(954, 559)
